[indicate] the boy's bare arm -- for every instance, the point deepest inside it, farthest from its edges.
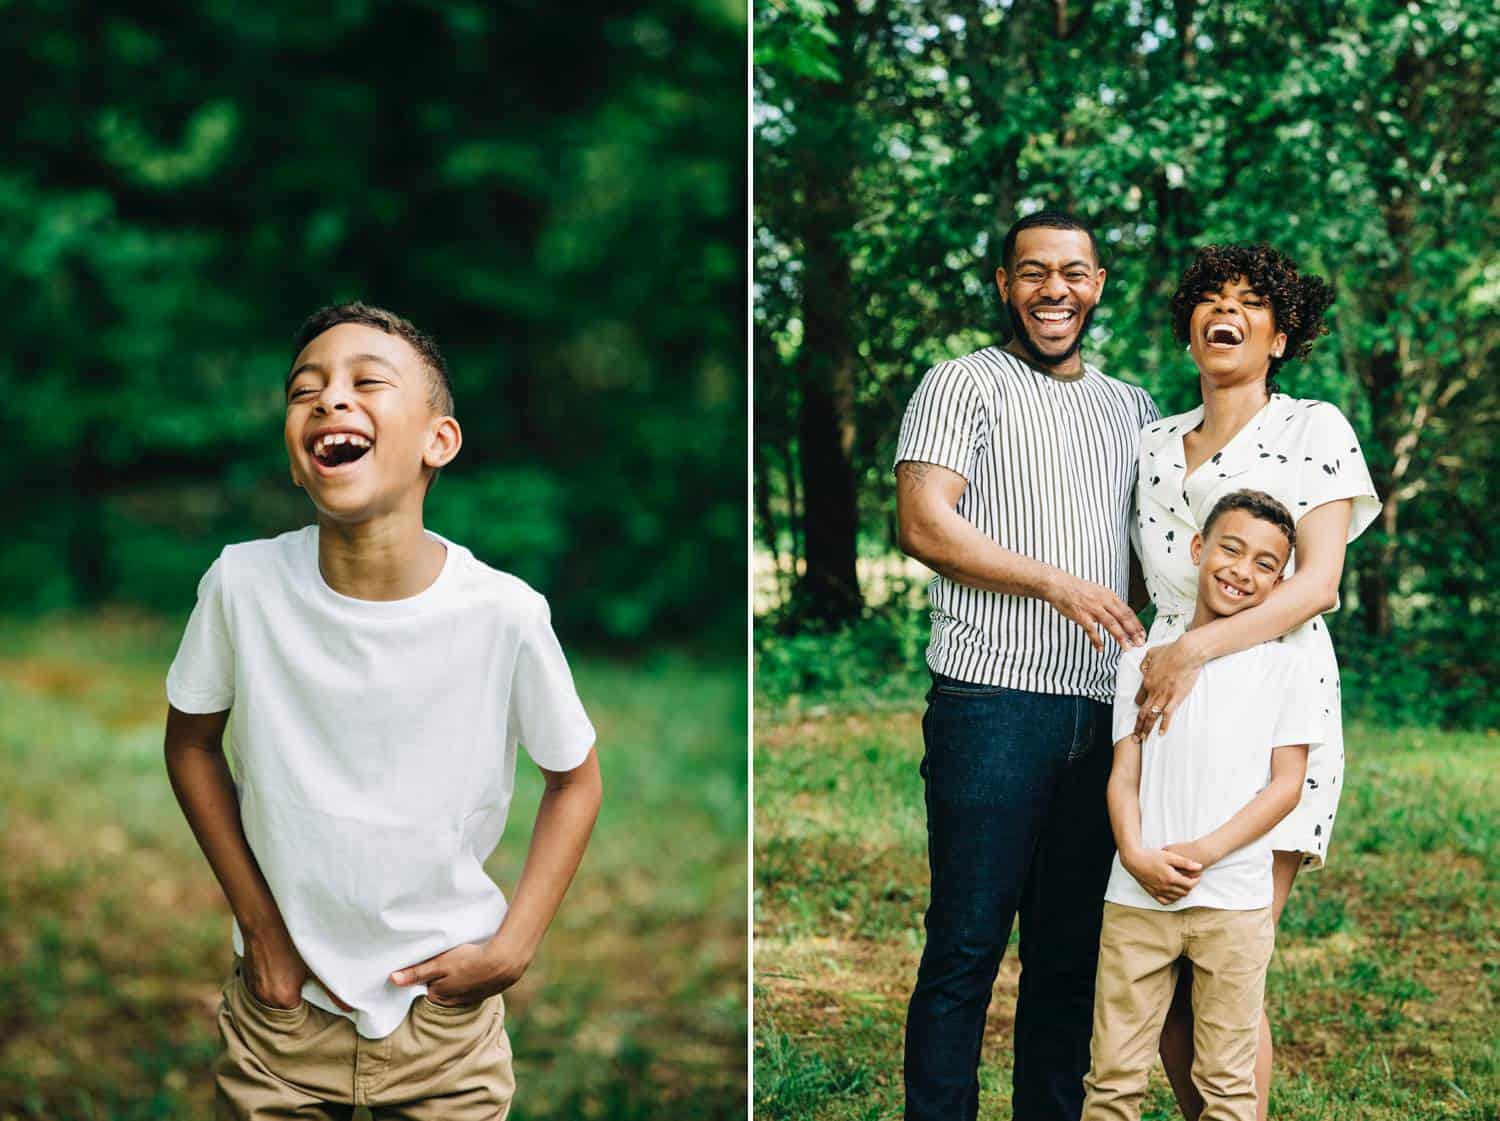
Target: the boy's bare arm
(1165, 876)
(1259, 815)
(564, 820)
(200, 778)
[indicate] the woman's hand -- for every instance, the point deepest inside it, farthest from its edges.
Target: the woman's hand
(1167, 675)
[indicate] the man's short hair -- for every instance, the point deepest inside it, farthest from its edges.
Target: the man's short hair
(1258, 504)
(439, 391)
(1052, 219)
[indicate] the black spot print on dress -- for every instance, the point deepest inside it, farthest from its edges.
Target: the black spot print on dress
(1155, 479)
(1327, 469)
(1317, 830)
(1171, 533)
(1281, 458)
(1216, 457)
(1312, 784)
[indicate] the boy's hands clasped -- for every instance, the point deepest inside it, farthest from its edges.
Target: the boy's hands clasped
(1166, 874)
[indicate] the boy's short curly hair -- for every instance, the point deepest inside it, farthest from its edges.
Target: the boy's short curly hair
(439, 391)
(1298, 300)
(1258, 504)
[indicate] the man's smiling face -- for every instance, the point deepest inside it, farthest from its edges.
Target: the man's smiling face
(359, 426)
(1053, 285)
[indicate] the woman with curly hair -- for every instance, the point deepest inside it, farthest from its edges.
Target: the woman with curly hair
(1244, 312)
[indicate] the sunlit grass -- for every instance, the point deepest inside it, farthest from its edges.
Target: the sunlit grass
(1383, 994)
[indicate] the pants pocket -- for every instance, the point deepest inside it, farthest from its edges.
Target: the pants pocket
(285, 1017)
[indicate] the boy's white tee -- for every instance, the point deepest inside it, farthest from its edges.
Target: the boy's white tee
(374, 745)
(1214, 759)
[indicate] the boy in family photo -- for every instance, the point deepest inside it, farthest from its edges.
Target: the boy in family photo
(1191, 809)
(376, 680)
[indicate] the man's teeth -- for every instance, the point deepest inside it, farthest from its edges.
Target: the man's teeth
(1060, 316)
(1230, 590)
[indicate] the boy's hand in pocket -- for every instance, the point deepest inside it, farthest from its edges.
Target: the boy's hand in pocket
(466, 974)
(274, 971)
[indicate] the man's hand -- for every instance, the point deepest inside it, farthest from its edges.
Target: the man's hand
(468, 973)
(1167, 676)
(1166, 876)
(1094, 608)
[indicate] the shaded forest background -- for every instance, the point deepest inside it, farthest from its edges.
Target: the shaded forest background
(555, 192)
(895, 143)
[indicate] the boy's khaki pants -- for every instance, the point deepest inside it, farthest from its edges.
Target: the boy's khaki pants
(441, 1064)
(1139, 952)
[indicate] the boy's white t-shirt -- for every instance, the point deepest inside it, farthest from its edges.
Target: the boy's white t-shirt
(1213, 760)
(374, 745)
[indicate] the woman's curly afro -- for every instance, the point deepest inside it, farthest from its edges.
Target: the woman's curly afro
(1298, 301)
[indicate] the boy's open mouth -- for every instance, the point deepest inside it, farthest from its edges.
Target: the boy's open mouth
(334, 449)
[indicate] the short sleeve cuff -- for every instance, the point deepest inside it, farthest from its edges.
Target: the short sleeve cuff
(565, 752)
(197, 703)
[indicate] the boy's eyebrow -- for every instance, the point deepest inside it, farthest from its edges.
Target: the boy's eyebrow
(318, 367)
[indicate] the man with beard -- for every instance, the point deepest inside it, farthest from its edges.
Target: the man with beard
(1015, 477)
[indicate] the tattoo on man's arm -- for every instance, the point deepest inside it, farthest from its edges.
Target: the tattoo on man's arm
(912, 475)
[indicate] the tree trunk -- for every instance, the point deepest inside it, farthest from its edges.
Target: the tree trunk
(828, 590)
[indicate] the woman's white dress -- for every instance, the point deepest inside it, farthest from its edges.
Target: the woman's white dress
(1304, 454)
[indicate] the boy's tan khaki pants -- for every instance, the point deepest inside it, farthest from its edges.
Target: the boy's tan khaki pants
(1139, 951)
(450, 1063)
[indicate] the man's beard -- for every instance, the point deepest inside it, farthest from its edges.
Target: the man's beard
(1018, 331)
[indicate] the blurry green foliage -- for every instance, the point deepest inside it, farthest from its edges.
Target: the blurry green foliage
(1359, 137)
(554, 192)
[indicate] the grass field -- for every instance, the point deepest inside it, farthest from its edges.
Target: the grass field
(1384, 993)
(114, 937)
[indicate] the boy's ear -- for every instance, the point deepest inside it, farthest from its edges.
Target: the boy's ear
(443, 442)
(1195, 547)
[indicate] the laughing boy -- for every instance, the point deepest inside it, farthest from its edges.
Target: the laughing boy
(1191, 809)
(376, 680)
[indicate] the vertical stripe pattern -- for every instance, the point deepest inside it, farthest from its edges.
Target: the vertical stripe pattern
(1051, 466)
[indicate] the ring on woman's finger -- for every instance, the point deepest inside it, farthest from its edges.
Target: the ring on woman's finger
(1156, 710)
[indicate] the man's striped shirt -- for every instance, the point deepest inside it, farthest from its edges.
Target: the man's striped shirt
(1051, 465)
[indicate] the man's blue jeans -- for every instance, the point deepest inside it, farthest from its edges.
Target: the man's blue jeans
(1016, 821)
